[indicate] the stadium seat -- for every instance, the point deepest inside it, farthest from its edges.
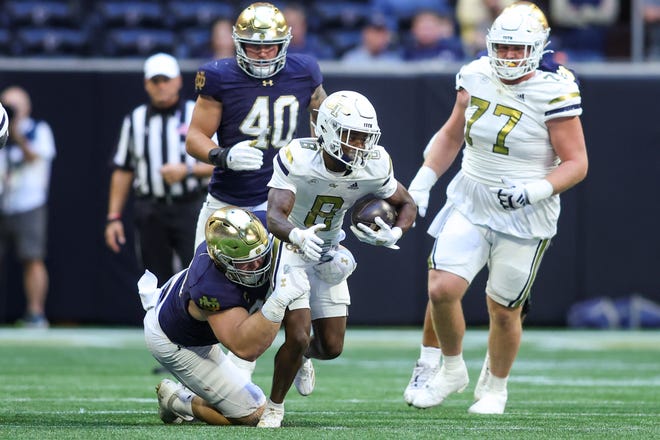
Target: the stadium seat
(138, 42)
(116, 14)
(6, 42)
(342, 14)
(344, 40)
(197, 13)
(40, 41)
(194, 43)
(42, 13)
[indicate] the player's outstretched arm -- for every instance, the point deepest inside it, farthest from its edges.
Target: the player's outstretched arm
(248, 336)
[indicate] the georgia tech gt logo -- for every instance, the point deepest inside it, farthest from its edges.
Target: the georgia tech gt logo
(200, 80)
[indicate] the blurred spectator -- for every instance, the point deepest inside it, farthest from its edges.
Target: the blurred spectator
(221, 41)
(651, 14)
(580, 27)
(474, 18)
(302, 41)
(25, 165)
(376, 45)
(433, 37)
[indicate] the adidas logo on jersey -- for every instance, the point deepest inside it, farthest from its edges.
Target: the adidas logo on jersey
(521, 96)
(353, 186)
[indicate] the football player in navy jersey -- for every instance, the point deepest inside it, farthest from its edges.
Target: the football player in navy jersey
(208, 303)
(252, 102)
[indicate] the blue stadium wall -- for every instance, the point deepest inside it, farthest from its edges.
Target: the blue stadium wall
(607, 243)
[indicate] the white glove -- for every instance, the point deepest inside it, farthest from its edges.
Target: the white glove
(420, 188)
(335, 266)
(243, 156)
(307, 241)
(385, 236)
(291, 285)
(516, 195)
(148, 290)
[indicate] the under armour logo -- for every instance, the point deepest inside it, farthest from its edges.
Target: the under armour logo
(268, 82)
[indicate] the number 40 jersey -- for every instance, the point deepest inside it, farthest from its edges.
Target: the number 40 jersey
(265, 110)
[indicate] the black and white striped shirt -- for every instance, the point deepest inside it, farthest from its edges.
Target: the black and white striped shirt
(151, 138)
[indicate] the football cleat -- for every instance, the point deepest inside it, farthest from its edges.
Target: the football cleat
(480, 388)
(444, 383)
(271, 417)
(491, 402)
(305, 378)
(168, 392)
(421, 374)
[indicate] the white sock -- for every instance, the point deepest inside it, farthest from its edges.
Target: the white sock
(278, 406)
(497, 384)
(430, 356)
(453, 362)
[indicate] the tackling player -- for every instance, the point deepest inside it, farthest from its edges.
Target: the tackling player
(315, 181)
(524, 143)
(208, 303)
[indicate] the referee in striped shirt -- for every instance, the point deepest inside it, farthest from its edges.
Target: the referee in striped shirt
(169, 185)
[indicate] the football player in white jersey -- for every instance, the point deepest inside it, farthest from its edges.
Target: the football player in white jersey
(524, 145)
(315, 182)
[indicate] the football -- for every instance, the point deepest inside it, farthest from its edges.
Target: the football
(368, 208)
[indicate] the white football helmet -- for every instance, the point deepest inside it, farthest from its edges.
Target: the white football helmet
(261, 23)
(340, 114)
(524, 24)
(4, 126)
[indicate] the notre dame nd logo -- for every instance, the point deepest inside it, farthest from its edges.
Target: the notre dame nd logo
(212, 305)
(200, 80)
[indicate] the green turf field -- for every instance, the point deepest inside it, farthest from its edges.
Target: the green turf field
(90, 383)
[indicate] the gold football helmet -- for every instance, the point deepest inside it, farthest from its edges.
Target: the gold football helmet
(239, 245)
(261, 23)
(522, 23)
(529, 8)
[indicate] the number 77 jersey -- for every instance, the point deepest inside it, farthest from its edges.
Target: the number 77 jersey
(262, 109)
(505, 129)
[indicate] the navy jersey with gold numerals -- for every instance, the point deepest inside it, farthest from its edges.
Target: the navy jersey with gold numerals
(265, 110)
(210, 290)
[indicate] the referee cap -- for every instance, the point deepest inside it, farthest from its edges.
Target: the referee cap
(161, 64)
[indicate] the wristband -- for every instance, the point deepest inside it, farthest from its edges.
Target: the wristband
(218, 157)
(538, 190)
(112, 218)
(272, 311)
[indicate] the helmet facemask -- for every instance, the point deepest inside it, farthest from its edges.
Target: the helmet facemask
(261, 24)
(519, 26)
(344, 117)
(239, 245)
(233, 268)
